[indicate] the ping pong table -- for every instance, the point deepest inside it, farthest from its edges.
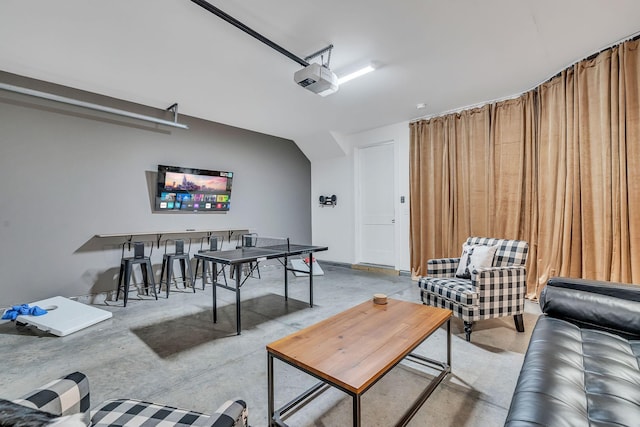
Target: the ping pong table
(252, 255)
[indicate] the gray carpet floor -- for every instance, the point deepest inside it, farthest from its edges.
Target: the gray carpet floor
(169, 351)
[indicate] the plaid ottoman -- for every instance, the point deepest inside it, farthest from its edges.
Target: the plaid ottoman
(70, 395)
(130, 412)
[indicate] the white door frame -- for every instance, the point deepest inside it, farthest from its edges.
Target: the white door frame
(358, 199)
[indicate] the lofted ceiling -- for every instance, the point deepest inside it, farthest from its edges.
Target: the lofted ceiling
(447, 54)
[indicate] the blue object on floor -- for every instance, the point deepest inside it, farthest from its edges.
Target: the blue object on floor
(24, 309)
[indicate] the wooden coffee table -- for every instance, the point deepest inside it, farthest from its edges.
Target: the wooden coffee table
(352, 350)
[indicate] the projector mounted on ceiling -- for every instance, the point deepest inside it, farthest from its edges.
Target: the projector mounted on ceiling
(317, 78)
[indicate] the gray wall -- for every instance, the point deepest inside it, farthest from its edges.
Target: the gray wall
(68, 174)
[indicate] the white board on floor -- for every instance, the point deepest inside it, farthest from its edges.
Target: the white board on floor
(299, 264)
(64, 316)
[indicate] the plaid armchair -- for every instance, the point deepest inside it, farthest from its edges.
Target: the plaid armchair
(70, 395)
(494, 291)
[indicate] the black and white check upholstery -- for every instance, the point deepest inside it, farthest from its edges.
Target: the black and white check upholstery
(70, 395)
(64, 396)
(130, 412)
(494, 291)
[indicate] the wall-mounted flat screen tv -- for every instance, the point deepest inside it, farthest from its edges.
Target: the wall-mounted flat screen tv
(182, 189)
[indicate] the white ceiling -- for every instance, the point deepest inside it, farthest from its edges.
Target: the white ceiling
(445, 53)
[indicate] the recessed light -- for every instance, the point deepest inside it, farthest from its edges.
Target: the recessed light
(421, 105)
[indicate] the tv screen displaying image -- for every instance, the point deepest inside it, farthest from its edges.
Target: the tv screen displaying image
(181, 189)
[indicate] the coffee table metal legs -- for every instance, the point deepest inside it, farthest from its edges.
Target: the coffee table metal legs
(270, 389)
(276, 415)
(449, 344)
(356, 410)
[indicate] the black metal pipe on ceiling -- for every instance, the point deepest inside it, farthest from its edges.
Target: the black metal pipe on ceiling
(233, 21)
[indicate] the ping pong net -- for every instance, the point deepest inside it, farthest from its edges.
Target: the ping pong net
(261, 247)
(252, 240)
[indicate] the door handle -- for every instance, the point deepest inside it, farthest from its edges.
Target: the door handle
(393, 221)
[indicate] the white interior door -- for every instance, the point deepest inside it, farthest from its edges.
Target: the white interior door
(377, 207)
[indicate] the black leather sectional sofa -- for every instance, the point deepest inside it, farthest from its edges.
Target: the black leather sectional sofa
(582, 367)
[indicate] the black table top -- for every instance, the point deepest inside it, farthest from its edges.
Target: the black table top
(252, 254)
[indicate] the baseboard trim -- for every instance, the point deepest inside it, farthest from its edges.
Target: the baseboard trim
(334, 263)
(380, 269)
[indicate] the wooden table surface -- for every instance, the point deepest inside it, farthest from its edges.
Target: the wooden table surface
(356, 347)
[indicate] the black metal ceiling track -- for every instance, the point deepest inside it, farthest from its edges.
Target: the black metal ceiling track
(233, 21)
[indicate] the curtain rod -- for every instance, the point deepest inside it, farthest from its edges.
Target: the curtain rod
(97, 107)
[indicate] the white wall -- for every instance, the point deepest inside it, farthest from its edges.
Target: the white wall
(336, 227)
(333, 226)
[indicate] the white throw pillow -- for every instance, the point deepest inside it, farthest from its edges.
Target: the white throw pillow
(463, 271)
(474, 257)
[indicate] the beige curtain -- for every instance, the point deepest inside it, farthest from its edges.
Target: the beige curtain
(514, 176)
(449, 156)
(590, 166)
(429, 186)
(469, 153)
(558, 167)
(470, 177)
(558, 198)
(630, 176)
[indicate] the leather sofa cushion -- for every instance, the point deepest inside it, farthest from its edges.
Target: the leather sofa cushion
(575, 376)
(594, 304)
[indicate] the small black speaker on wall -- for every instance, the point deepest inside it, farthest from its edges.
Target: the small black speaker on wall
(328, 200)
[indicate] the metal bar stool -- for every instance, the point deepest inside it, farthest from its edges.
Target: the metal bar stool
(215, 244)
(126, 268)
(248, 240)
(185, 264)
